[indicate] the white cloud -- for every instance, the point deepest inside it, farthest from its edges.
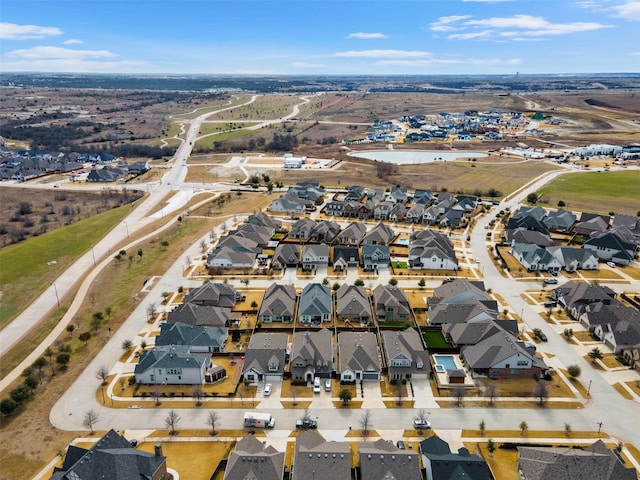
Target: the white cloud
(13, 31)
(307, 65)
(471, 35)
(72, 41)
(445, 24)
(448, 61)
(628, 10)
(635, 54)
(367, 36)
(58, 53)
(383, 53)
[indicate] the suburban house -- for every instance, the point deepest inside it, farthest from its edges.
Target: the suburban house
(405, 354)
(621, 335)
(533, 258)
(358, 357)
(352, 234)
(287, 255)
(628, 221)
(352, 304)
(234, 251)
(423, 196)
(528, 218)
(382, 460)
(265, 358)
(382, 210)
(440, 463)
(325, 231)
(397, 195)
(315, 458)
(315, 305)
(595, 462)
(573, 259)
(461, 334)
(431, 250)
(264, 220)
(391, 304)
(591, 223)
(503, 356)
(308, 191)
(213, 295)
(471, 310)
(398, 213)
(414, 214)
(253, 459)
(355, 192)
(278, 304)
(375, 257)
(106, 174)
(345, 257)
(576, 296)
(315, 255)
(381, 234)
(312, 355)
(334, 208)
(172, 365)
(200, 339)
(522, 235)
(261, 235)
(617, 245)
(290, 204)
(301, 229)
(112, 456)
(193, 314)
(559, 221)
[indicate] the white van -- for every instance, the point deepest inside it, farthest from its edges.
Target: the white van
(316, 385)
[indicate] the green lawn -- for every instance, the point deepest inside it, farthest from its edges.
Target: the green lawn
(435, 339)
(601, 192)
(24, 272)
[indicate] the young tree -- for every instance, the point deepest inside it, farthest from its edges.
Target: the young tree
(127, 344)
(70, 328)
(63, 359)
(595, 354)
(574, 371)
(49, 354)
(294, 392)
(143, 344)
(359, 282)
(541, 392)
(156, 392)
(198, 394)
(102, 374)
(172, 421)
(422, 283)
(393, 282)
(151, 309)
(345, 396)
(459, 393)
(492, 393)
(399, 392)
(482, 427)
(532, 198)
(40, 363)
(567, 429)
(523, 428)
(212, 420)
(491, 446)
(365, 424)
(90, 419)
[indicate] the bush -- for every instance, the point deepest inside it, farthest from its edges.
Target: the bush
(31, 382)
(20, 394)
(7, 406)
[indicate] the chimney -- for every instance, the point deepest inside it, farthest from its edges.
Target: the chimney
(158, 450)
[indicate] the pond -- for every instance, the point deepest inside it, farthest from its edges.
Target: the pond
(401, 157)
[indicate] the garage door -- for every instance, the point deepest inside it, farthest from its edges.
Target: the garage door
(370, 376)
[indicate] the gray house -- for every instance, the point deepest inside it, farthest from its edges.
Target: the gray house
(352, 304)
(345, 257)
(213, 294)
(301, 229)
(200, 339)
(251, 459)
(287, 255)
(315, 255)
(391, 304)
(172, 365)
(317, 459)
(265, 358)
(312, 355)
(440, 463)
(352, 234)
(192, 314)
(375, 257)
(315, 306)
(381, 234)
(278, 304)
(358, 356)
(405, 354)
(382, 460)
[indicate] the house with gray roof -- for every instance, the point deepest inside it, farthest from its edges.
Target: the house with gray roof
(316, 459)
(278, 304)
(617, 245)
(197, 315)
(381, 234)
(503, 356)
(352, 234)
(461, 334)
(414, 214)
(442, 464)
(591, 223)
(560, 220)
(352, 304)
(308, 191)
(470, 311)
(595, 462)
(398, 213)
(325, 231)
(230, 258)
(423, 196)
(214, 294)
(200, 339)
(382, 460)
(391, 304)
(628, 221)
(334, 208)
(458, 291)
(345, 257)
(265, 358)
(533, 258)
(287, 255)
(405, 354)
(172, 365)
(289, 204)
(356, 192)
(397, 195)
(431, 250)
(573, 259)
(112, 456)
(315, 255)
(264, 220)
(375, 257)
(575, 297)
(259, 234)
(254, 460)
(301, 229)
(315, 305)
(532, 237)
(312, 355)
(382, 210)
(358, 357)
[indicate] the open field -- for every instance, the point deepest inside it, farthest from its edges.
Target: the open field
(601, 192)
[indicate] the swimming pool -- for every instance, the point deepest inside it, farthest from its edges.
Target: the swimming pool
(447, 362)
(401, 157)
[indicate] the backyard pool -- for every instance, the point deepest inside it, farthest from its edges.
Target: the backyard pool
(445, 362)
(401, 157)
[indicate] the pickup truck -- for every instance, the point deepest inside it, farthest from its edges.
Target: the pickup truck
(306, 424)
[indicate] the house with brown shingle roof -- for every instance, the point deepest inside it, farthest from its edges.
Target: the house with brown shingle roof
(352, 303)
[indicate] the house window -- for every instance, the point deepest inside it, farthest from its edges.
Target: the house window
(347, 377)
(273, 367)
(419, 365)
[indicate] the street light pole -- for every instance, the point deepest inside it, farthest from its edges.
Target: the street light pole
(93, 254)
(126, 228)
(55, 289)
(599, 427)
(589, 389)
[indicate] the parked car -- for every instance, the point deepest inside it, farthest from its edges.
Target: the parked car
(267, 389)
(542, 336)
(417, 424)
(327, 385)
(316, 385)
(551, 281)
(306, 424)
(550, 303)
(400, 444)
(611, 264)
(554, 273)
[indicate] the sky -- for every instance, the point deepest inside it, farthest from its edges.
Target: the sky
(337, 37)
